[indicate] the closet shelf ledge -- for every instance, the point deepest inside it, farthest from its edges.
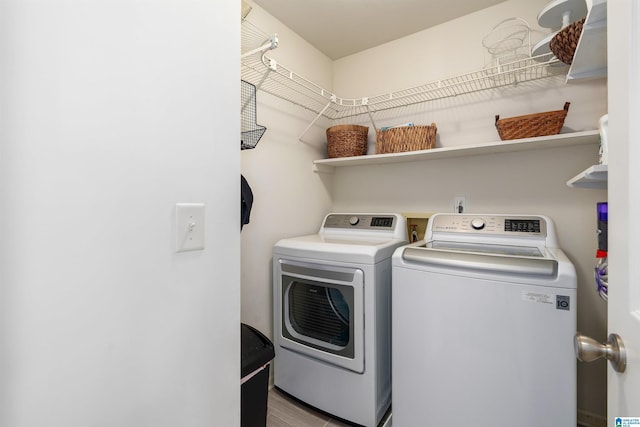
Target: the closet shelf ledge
(516, 145)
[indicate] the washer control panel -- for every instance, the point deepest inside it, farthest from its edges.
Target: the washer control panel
(360, 221)
(491, 224)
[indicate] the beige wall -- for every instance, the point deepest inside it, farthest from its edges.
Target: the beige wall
(289, 199)
(524, 182)
(446, 50)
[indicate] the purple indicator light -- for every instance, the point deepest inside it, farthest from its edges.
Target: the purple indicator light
(603, 211)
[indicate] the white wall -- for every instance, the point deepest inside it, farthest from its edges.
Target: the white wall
(526, 182)
(111, 113)
(289, 198)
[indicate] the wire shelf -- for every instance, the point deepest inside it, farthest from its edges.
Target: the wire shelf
(276, 79)
(254, 39)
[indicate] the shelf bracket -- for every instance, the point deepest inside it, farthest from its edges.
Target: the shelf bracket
(258, 86)
(375, 128)
(324, 169)
(273, 43)
(333, 100)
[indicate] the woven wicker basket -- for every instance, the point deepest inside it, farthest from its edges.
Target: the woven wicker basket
(531, 125)
(347, 141)
(563, 45)
(405, 138)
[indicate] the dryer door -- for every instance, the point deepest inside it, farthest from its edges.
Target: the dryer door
(322, 313)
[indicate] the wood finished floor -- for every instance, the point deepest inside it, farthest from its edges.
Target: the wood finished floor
(283, 411)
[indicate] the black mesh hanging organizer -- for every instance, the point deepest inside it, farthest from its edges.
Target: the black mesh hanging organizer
(250, 130)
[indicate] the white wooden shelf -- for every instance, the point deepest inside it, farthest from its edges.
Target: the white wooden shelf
(595, 176)
(560, 13)
(554, 141)
(590, 58)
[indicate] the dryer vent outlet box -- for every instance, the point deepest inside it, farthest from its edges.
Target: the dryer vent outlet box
(416, 221)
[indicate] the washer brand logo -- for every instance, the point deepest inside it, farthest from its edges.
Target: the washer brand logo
(562, 302)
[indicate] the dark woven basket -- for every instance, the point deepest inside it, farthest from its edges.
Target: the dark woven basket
(347, 141)
(532, 125)
(563, 45)
(405, 138)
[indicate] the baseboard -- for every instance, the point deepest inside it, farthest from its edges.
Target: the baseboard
(587, 419)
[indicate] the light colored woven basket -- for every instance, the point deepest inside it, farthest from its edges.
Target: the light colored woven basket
(563, 45)
(347, 141)
(532, 125)
(405, 138)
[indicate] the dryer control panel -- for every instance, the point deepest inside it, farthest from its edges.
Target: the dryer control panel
(360, 221)
(491, 224)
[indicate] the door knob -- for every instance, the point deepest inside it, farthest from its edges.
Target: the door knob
(587, 350)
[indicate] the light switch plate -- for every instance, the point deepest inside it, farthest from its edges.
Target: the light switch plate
(190, 228)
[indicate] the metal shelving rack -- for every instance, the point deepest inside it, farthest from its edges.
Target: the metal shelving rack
(258, 68)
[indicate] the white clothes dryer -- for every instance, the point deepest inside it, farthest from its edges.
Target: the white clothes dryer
(332, 315)
(484, 315)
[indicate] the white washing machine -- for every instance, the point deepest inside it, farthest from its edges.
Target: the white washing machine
(484, 314)
(332, 315)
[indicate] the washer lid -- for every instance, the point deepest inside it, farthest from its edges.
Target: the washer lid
(526, 251)
(488, 262)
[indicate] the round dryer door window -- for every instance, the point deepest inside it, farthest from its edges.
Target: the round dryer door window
(321, 312)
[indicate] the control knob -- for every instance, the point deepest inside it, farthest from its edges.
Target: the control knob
(354, 220)
(477, 223)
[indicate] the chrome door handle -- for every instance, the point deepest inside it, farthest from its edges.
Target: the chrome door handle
(587, 350)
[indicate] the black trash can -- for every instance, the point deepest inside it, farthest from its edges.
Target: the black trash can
(257, 352)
